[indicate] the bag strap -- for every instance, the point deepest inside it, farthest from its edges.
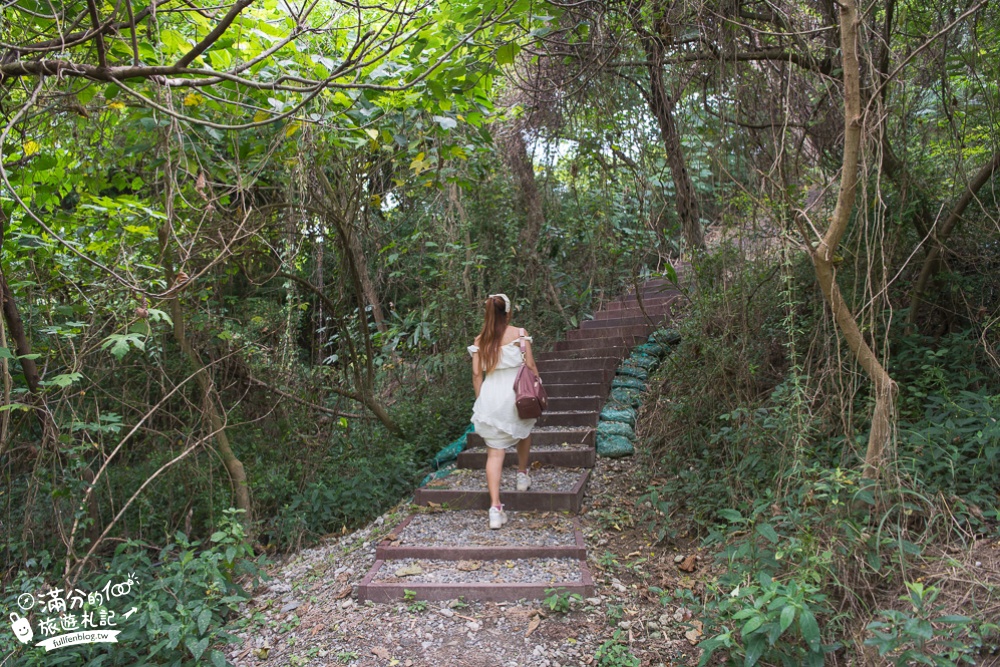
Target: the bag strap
(520, 344)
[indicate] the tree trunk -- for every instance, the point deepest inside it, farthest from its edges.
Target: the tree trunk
(237, 474)
(520, 163)
(354, 255)
(932, 263)
(16, 328)
(822, 255)
(364, 395)
(663, 109)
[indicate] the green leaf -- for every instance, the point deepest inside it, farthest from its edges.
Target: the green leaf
(751, 625)
(954, 619)
(218, 659)
(218, 536)
(731, 515)
(197, 647)
(767, 531)
(810, 629)
(5, 353)
(65, 380)
(787, 617)
(755, 649)
(204, 620)
(507, 53)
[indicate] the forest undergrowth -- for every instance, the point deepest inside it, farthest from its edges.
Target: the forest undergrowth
(755, 451)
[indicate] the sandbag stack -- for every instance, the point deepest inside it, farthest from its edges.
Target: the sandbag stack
(615, 430)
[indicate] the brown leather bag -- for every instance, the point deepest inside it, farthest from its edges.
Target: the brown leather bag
(529, 394)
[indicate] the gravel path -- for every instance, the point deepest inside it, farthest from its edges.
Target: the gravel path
(520, 571)
(468, 528)
(544, 448)
(546, 479)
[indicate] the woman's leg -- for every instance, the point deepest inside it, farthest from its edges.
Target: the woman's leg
(494, 468)
(523, 449)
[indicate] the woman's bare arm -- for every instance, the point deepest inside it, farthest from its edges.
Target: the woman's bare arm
(477, 372)
(529, 358)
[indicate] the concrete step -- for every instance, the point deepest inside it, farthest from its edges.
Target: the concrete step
(562, 456)
(633, 304)
(566, 403)
(638, 330)
(590, 376)
(631, 320)
(578, 389)
(581, 364)
(484, 584)
(615, 351)
(573, 418)
(544, 436)
(463, 535)
(624, 342)
(552, 490)
(656, 313)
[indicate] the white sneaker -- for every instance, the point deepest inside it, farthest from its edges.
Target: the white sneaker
(523, 481)
(497, 518)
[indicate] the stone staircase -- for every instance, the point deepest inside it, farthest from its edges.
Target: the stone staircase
(446, 551)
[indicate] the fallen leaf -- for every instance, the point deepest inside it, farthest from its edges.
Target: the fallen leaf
(409, 571)
(693, 636)
(469, 565)
(688, 564)
(344, 592)
(533, 625)
(381, 652)
(317, 628)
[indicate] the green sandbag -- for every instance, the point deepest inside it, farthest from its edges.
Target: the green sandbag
(633, 371)
(642, 360)
(615, 428)
(627, 382)
(436, 475)
(451, 452)
(652, 349)
(614, 446)
(665, 337)
(626, 396)
(612, 413)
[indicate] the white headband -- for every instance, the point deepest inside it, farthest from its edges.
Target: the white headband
(506, 301)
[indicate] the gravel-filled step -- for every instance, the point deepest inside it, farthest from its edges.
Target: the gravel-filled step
(565, 455)
(520, 571)
(432, 579)
(552, 489)
(465, 535)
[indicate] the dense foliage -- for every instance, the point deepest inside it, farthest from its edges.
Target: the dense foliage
(244, 247)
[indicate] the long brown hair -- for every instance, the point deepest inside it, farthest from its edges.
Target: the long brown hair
(494, 327)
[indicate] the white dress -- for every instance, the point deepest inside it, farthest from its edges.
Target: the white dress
(494, 414)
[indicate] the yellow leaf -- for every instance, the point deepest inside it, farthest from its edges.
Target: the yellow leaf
(31, 147)
(117, 106)
(193, 99)
(261, 116)
(292, 129)
(373, 133)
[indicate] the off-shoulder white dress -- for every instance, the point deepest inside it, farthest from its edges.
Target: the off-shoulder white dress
(494, 414)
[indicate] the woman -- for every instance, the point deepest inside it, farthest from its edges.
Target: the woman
(499, 351)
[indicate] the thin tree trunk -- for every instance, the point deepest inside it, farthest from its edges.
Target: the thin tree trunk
(531, 202)
(662, 107)
(237, 473)
(364, 395)
(520, 162)
(357, 263)
(822, 255)
(932, 263)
